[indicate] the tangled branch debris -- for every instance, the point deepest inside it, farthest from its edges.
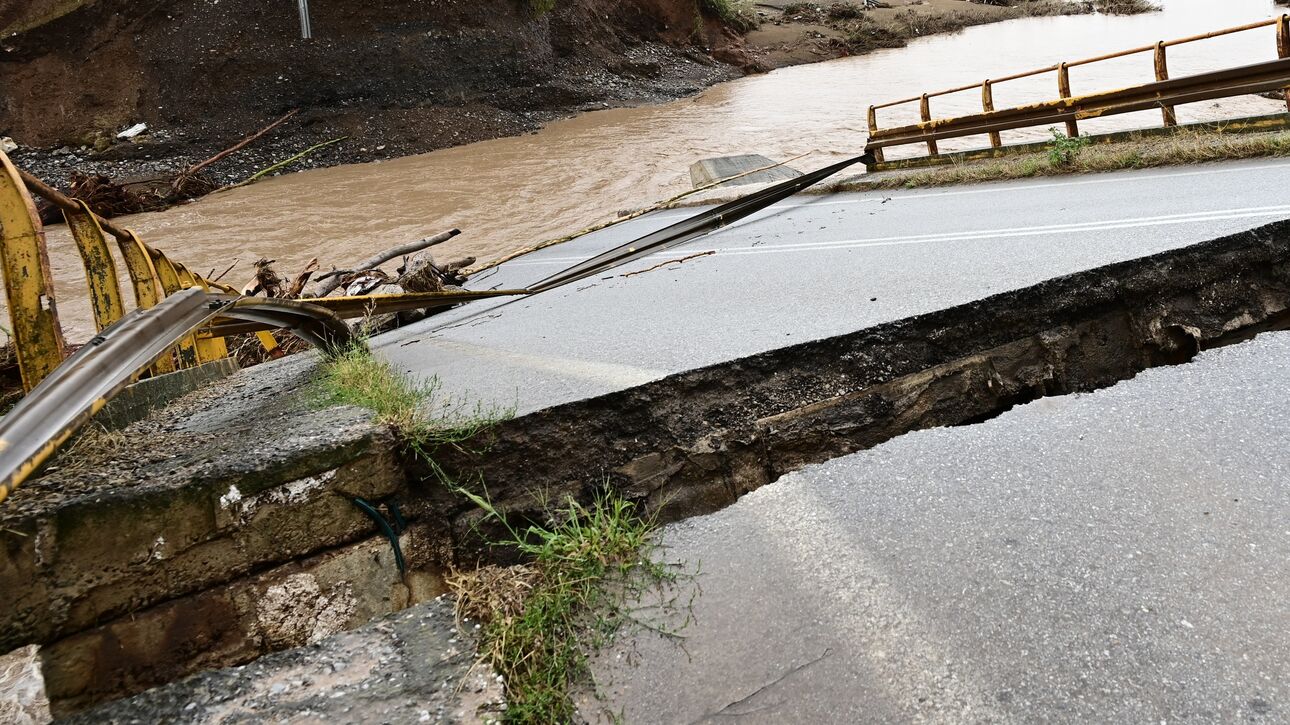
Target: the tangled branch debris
(111, 198)
(418, 272)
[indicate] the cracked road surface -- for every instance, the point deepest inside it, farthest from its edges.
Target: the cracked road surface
(1118, 556)
(813, 267)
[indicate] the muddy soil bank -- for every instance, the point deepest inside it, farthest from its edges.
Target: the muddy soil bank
(390, 79)
(395, 78)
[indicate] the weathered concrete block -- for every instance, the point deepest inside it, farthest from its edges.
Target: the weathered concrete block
(289, 606)
(123, 566)
(706, 171)
(413, 666)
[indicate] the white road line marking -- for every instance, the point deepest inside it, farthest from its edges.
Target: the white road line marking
(1002, 233)
(621, 376)
(897, 241)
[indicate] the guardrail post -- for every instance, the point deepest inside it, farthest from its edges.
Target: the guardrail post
(168, 276)
(100, 270)
(143, 277)
(1064, 90)
(925, 109)
(1162, 74)
(1283, 46)
(209, 348)
(987, 104)
(873, 129)
(37, 338)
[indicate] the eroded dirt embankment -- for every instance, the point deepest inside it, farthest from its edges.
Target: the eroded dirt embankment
(407, 77)
(225, 527)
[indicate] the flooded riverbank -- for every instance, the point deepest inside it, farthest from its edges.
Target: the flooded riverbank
(509, 193)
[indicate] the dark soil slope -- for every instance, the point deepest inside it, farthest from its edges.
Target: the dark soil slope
(408, 75)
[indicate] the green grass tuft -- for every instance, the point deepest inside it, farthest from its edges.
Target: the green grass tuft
(541, 7)
(735, 13)
(582, 570)
(414, 407)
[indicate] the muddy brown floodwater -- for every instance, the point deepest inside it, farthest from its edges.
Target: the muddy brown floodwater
(510, 193)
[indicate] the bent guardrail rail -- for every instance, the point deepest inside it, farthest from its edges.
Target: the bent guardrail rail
(1164, 93)
(78, 388)
(67, 395)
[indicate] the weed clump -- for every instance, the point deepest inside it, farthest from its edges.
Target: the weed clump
(414, 407)
(844, 11)
(1125, 7)
(734, 13)
(868, 35)
(542, 620)
(1063, 149)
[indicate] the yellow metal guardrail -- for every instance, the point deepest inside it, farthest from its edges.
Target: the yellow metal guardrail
(74, 390)
(1164, 93)
(37, 335)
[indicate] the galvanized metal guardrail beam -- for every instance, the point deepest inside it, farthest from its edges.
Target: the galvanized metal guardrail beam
(77, 389)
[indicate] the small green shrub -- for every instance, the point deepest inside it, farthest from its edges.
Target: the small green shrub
(414, 407)
(581, 570)
(734, 13)
(1063, 149)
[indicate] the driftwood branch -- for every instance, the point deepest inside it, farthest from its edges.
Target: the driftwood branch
(298, 284)
(670, 261)
(241, 144)
(330, 281)
(221, 274)
(285, 162)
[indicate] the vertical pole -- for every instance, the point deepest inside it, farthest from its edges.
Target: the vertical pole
(873, 129)
(1064, 88)
(1162, 74)
(925, 108)
(987, 104)
(1283, 45)
(306, 30)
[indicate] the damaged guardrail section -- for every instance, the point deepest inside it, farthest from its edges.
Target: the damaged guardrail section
(226, 528)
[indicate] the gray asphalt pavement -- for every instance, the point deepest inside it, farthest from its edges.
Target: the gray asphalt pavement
(1120, 556)
(813, 267)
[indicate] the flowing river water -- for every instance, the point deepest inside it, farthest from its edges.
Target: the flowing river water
(512, 192)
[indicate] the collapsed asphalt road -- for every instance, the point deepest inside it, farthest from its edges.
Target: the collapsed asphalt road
(1119, 556)
(280, 483)
(812, 267)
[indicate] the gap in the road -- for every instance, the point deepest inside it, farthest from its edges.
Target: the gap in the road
(681, 446)
(696, 441)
